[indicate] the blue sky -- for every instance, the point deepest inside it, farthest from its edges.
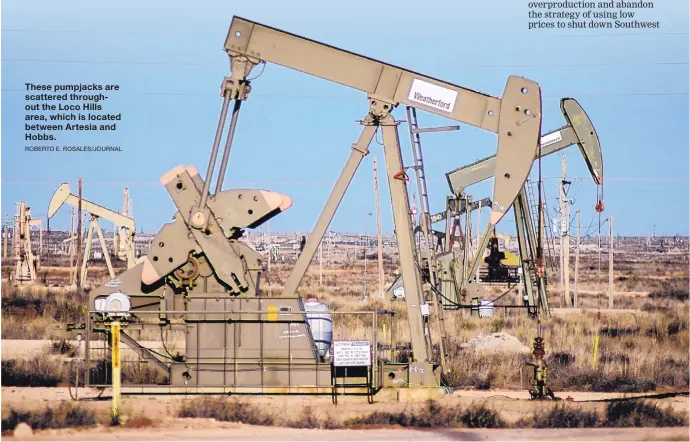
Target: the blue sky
(295, 131)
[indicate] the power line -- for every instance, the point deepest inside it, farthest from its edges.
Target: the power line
(357, 97)
(300, 182)
(464, 66)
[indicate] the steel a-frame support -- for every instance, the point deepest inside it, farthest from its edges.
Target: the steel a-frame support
(527, 240)
(417, 308)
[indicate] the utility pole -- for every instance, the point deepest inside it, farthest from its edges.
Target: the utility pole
(78, 270)
(378, 229)
(72, 250)
(565, 238)
(577, 258)
(320, 263)
(610, 261)
(270, 245)
(366, 243)
(5, 234)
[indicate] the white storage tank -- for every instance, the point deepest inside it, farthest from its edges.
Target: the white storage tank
(486, 309)
(321, 325)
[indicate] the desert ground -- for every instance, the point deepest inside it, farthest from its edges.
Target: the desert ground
(637, 390)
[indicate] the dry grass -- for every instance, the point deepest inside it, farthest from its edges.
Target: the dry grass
(32, 312)
(50, 371)
(434, 414)
(640, 350)
(623, 413)
(37, 372)
(64, 415)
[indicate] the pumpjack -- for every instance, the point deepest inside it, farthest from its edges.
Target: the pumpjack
(456, 271)
(200, 277)
(27, 263)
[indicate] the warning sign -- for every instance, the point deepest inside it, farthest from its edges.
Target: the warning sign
(351, 353)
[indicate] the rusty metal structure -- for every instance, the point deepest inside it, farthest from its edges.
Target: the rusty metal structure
(203, 283)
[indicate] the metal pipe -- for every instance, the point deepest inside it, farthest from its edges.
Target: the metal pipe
(214, 151)
(228, 145)
(115, 334)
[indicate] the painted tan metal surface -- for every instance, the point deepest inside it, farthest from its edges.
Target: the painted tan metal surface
(579, 130)
(199, 256)
(518, 139)
(63, 195)
(260, 42)
(587, 137)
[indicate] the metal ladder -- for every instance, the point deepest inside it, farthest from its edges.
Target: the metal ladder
(428, 251)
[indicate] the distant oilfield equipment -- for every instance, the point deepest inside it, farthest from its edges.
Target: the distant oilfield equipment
(123, 244)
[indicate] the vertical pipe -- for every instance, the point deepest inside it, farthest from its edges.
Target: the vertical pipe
(78, 275)
(5, 234)
(379, 246)
(270, 245)
(561, 201)
(115, 360)
(566, 267)
(366, 243)
(72, 263)
(610, 261)
(577, 259)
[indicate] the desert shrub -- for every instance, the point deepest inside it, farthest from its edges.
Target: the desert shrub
(64, 347)
(29, 313)
(625, 383)
(672, 289)
(36, 372)
(139, 422)
(630, 413)
(483, 371)
(433, 415)
(562, 359)
(561, 416)
(673, 372)
(63, 416)
(142, 373)
(479, 416)
(307, 419)
(586, 379)
(497, 324)
(378, 418)
(227, 410)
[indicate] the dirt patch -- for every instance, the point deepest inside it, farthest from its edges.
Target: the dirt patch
(497, 342)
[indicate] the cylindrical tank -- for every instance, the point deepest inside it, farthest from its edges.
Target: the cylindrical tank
(321, 325)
